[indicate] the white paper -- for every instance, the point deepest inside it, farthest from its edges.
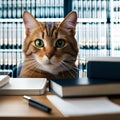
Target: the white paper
(84, 106)
(4, 79)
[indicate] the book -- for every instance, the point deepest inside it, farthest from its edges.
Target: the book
(84, 87)
(24, 86)
(4, 79)
(103, 67)
(84, 106)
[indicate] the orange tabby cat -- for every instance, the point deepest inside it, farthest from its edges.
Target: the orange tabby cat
(50, 48)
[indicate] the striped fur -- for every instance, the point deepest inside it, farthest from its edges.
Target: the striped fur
(50, 61)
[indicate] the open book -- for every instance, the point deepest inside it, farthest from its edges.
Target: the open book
(24, 86)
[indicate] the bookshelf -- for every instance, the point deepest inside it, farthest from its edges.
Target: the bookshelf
(97, 31)
(97, 28)
(12, 32)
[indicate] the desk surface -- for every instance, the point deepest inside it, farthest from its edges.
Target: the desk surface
(17, 108)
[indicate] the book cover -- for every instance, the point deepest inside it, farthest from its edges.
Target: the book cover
(84, 87)
(24, 86)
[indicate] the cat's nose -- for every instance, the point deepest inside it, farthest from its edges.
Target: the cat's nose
(49, 55)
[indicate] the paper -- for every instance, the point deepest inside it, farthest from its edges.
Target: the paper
(84, 106)
(4, 79)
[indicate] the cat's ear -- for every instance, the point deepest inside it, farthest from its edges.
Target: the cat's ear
(69, 21)
(30, 22)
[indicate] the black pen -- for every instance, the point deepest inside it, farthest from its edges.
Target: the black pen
(37, 104)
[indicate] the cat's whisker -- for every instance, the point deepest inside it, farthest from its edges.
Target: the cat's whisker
(27, 70)
(66, 67)
(30, 64)
(63, 76)
(38, 66)
(72, 60)
(69, 60)
(33, 70)
(37, 63)
(30, 61)
(33, 65)
(71, 66)
(75, 67)
(62, 71)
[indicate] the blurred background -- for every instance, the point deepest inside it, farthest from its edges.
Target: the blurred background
(97, 32)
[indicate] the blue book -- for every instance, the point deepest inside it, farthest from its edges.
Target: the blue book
(84, 87)
(103, 68)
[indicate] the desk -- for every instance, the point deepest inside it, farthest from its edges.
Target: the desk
(17, 108)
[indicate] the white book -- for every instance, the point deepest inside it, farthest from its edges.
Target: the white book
(24, 86)
(4, 79)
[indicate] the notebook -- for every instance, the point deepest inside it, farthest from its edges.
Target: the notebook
(84, 106)
(24, 86)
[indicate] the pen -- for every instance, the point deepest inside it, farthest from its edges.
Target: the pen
(37, 104)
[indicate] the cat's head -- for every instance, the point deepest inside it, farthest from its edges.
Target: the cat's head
(52, 46)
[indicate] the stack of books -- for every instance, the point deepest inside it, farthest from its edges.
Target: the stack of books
(102, 79)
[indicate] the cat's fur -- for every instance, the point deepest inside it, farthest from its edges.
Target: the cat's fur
(50, 61)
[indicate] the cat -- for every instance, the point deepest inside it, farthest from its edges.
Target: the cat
(50, 49)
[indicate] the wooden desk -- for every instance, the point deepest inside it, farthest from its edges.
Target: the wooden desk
(17, 108)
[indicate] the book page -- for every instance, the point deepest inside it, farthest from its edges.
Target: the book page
(84, 106)
(4, 79)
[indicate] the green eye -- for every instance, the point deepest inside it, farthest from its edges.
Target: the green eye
(39, 43)
(60, 43)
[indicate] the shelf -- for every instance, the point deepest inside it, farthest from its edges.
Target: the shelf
(91, 20)
(55, 20)
(10, 50)
(39, 19)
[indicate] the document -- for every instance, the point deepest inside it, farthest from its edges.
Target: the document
(84, 106)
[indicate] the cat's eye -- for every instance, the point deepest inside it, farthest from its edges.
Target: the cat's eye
(39, 43)
(60, 43)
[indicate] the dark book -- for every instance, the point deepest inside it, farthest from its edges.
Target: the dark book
(84, 87)
(103, 68)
